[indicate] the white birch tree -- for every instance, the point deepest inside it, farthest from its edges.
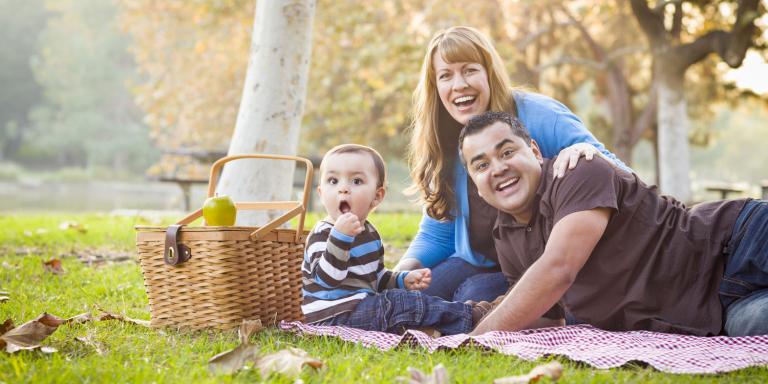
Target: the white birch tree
(672, 56)
(271, 107)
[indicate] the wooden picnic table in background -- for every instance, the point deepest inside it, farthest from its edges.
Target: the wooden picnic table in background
(724, 189)
(764, 189)
(204, 159)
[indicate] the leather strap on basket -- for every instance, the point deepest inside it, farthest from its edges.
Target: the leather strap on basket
(175, 253)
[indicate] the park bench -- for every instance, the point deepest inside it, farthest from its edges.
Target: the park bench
(187, 167)
(724, 189)
(764, 189)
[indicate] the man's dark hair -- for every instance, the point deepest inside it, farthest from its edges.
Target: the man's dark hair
(484, 120)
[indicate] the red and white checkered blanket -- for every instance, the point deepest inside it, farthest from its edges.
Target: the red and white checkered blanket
(598, 348)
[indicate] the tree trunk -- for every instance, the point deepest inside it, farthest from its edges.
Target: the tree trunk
(269, 119)
(620, 107)
(673, 150)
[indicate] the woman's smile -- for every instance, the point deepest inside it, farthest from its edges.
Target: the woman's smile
(463, 88)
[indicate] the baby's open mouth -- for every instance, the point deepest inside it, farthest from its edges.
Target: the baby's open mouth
(344, 207)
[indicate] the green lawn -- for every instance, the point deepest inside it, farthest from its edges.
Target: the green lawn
(138, 355)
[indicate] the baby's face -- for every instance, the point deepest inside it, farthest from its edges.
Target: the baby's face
(348, 183)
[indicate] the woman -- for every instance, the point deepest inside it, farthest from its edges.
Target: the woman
(462, 76)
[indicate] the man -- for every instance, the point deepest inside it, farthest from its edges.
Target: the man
(605, 248)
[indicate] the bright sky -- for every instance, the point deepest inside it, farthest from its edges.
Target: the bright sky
(753, 74)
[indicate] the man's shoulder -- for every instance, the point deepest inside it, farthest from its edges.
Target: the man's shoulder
(590, 185)
(596, 170)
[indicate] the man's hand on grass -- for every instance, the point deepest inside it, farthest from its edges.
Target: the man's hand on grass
(418, 279)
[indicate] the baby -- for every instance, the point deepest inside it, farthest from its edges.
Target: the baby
(344, 279)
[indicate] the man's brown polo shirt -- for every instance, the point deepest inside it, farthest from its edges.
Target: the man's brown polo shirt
(658, 265)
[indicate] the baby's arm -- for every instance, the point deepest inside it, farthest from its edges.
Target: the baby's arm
(328, 253)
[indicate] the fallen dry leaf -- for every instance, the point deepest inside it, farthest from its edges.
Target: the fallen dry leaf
(247, 329)
(72, 225)
(81, 318)
(6, 326)
(9, 267)
(287, 361)
(113, 316)
(439, 376)
(235, 359)
(29, 335)
(552, 370)
(53, 266)
(89, 342)
(99, 256)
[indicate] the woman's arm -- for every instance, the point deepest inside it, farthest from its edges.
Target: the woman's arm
(434, 242)
(574, 140)
(569, 130)
(555, 128)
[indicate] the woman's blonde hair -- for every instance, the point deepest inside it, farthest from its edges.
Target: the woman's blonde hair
(434, 139)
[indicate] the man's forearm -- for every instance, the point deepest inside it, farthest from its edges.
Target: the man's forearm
(537, 291)
(570, 243)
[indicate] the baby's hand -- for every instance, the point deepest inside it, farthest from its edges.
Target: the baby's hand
(348, 224)
(418, 279)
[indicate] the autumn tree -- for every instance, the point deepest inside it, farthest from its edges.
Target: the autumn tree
(681, 34)
(272, 104)
(366, 59)
(20, 24)
(87, 116)
(192, 58)
(562, 47)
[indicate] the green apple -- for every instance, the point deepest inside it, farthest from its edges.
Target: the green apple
(219, 211)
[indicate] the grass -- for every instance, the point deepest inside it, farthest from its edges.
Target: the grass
(135, 354)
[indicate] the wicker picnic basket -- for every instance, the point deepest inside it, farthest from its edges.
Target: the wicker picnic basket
(198, 277)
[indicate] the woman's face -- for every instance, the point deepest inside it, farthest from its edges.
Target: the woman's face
(463, 88)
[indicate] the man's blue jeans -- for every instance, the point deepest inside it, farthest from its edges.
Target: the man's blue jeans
(744, 290)
(457, 280)
(395, 310)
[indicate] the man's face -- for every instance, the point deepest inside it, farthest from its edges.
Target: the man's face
(505, 169)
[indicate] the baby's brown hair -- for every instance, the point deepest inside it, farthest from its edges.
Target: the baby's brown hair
(378, 161)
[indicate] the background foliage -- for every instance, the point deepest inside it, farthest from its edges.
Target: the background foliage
(118, 83)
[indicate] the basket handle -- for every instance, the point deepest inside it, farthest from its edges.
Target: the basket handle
(294, 207)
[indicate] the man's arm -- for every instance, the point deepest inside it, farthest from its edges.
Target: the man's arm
(541, 322)
(569, 246)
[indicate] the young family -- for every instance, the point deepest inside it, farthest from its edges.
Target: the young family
(504, 222)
